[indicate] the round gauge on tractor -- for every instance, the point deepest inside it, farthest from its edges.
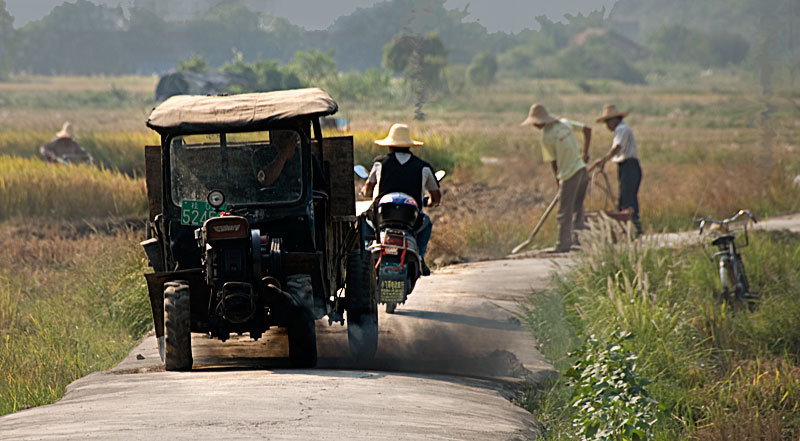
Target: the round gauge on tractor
(216, 199)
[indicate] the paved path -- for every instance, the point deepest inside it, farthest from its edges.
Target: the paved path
(448, 364)
(447, 367)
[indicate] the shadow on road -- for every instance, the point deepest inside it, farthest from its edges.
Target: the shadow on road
(460, 319)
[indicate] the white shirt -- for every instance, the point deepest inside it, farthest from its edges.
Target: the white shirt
(623, 137)
(429, 182)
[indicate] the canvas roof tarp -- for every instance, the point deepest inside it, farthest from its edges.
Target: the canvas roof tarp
(189, 114)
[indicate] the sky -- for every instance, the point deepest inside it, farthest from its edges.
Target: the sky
(496, 15)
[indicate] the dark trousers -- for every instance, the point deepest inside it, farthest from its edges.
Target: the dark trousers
(630, 176)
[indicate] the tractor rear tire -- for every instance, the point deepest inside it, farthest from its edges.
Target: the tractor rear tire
(302, 330)
(177, 326)
(362, 311)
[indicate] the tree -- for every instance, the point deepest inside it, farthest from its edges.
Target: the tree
(315, 66)
(482, 70)
(193, 64)
(421, 59)
(8, 40)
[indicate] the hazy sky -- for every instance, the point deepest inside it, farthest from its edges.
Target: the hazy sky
(503, 15)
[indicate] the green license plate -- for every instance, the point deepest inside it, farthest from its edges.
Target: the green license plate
(197, 212)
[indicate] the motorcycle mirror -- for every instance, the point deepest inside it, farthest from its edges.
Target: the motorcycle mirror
(440, 175)
(361, 171)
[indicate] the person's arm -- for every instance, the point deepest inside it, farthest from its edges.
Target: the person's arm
(436, 198)
(587, 139)
(368, 188)
(372, 180)
(613, 152)
(269, 174)
(554, 164)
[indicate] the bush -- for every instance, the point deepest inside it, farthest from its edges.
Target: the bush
(597, 58)
(679, 44)
(483, 69)
(718, 372)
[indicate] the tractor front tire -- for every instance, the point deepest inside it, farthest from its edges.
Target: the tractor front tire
(302, 330)
(177, 326)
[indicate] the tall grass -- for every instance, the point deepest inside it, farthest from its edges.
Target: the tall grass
(69, 305)
(120, 150)
(719, 372)
(32, 188)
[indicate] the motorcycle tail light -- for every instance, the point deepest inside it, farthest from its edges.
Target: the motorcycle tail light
(397, 241)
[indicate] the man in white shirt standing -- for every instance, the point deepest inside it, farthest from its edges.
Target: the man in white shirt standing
(402, 171)
(625, 154)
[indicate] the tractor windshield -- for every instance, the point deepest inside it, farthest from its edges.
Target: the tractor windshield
(250, 171)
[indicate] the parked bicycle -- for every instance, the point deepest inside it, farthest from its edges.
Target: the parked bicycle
(732, 275)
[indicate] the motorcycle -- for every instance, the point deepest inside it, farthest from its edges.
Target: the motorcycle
(395, 253)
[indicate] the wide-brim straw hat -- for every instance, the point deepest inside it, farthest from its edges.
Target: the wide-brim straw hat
(66, 131)
(399, 136)
(538, 115)
(610, 111)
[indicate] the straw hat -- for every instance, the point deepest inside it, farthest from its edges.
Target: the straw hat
(399, 136)
(538, 115)
(66, 131)
(610, 111)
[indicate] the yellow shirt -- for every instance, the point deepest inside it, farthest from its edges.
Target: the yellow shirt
(560, 144)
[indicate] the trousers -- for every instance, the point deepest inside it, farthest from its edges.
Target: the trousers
(629, 173)
(570, 211)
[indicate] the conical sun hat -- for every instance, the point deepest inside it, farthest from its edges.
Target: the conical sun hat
(66, 131)
(538, 115)
(399, 136)
(610, 111)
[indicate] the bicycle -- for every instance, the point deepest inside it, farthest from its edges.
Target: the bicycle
(731, 268)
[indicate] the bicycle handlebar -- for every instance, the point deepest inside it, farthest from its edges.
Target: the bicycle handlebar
(725, 222)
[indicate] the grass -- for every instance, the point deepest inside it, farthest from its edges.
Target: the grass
(718, 372)
(706, 149)
(30, 188)
(70, 304)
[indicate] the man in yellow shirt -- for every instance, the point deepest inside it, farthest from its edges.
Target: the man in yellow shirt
(560, 148)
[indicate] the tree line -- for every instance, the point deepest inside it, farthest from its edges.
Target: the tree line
(84, 38)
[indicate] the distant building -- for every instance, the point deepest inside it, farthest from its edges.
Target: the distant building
(628, 47)
(182, 10)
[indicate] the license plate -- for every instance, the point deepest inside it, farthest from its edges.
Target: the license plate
(392, 282)
(197, 212)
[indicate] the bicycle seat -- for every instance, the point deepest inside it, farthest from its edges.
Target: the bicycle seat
(725, 238)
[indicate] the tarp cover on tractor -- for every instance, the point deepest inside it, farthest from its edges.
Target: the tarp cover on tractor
(190, 114)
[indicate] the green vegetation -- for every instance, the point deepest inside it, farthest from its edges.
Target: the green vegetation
(71, 303)
(35, 189)
(7, 42)
(717, 372)
(639, 42)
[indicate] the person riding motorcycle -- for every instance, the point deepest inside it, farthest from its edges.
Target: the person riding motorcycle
(402, 171)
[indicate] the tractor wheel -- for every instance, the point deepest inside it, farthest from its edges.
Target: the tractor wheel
(362, 315)
(302, 331)
(177, 326)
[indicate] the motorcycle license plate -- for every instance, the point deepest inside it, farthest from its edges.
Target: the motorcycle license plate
(197, 212)
(392, 282)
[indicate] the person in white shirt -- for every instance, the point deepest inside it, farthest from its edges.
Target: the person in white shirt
(625, 154)
(402, 171)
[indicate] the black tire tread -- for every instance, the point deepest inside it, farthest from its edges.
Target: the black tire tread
(362, 320)
(302, 330)
(177, 326)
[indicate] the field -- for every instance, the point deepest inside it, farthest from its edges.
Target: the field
(708, 148)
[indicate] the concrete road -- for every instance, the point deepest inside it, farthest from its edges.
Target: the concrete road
(449, 363)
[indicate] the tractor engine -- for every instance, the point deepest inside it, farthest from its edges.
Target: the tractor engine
(230, 249)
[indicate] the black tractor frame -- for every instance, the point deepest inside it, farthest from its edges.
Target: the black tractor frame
(263, 259)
